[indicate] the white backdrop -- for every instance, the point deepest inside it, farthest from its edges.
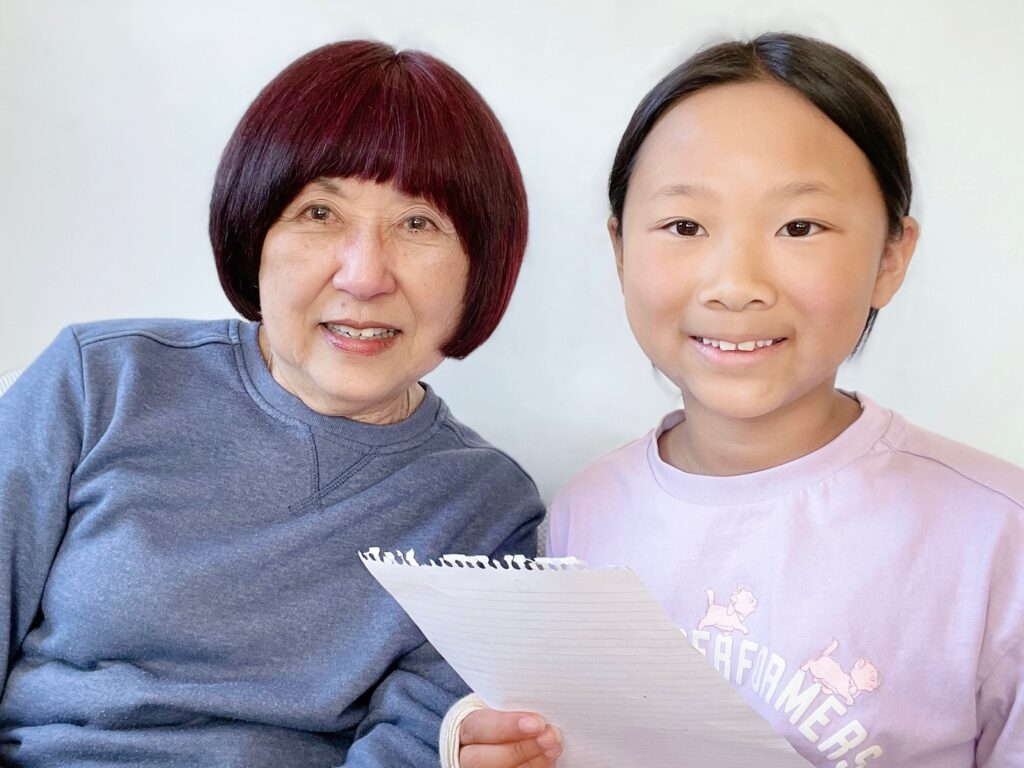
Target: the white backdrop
(113, 114)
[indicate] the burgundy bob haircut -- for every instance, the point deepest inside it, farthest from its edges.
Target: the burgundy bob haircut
(360, 109)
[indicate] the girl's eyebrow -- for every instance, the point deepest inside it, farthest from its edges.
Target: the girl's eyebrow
(791, 189)
(686, 190)
(798, 188)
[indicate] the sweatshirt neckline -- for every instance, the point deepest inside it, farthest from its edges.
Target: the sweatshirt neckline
(277, 399)
(855, 441)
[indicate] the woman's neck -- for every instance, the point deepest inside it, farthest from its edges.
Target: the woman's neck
(709, 443)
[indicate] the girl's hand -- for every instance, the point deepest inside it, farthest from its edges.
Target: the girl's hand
(493, 739)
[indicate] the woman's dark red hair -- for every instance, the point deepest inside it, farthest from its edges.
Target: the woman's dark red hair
(360, 109)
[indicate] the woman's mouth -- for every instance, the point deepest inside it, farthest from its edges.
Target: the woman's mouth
(351, 332)
(366, 340)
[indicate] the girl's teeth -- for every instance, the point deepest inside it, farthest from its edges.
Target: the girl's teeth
(742, 346)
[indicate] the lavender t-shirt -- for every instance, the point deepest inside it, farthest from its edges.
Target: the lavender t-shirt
(867, 599)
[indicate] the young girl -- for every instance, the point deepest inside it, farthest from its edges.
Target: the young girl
(857, 578)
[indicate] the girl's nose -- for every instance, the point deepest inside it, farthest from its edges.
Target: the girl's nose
(737, 277)
(363, 266)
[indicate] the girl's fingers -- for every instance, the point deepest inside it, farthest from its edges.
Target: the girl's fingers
(542, 752)
(491, 726)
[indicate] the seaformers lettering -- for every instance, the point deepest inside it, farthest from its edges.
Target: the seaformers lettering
(817, 696)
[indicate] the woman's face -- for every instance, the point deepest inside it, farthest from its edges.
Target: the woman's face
(753, 243)
(360, 286)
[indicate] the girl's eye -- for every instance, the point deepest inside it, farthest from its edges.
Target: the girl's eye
(687, 228)
(319, 212)
(418, 223)
(800, 228)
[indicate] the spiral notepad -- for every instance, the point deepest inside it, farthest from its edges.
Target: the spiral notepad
(591, 651)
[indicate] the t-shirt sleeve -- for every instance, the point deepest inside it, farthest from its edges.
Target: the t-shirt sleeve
(558, 526)
(40, 446)
(1001, 714)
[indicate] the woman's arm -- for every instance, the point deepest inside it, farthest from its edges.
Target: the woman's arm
(407, 707)
(40, 446)
(400, 728)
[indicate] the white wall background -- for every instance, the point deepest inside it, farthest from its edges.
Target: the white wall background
(113, 114)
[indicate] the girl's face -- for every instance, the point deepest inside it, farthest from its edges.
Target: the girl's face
(753, 243)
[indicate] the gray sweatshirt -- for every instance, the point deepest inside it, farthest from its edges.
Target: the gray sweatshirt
(179, 579)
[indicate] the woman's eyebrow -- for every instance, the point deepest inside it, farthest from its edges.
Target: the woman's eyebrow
(328, 184)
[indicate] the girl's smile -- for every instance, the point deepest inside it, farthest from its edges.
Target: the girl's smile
(747, 351)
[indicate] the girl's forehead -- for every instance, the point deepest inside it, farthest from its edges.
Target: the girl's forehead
(758, 133)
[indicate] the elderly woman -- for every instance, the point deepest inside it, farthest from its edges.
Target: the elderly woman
(182, 503)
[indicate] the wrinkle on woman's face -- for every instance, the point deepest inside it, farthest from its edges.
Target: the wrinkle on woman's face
(360, 286)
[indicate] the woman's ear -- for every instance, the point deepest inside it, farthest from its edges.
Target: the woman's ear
(616, 235)
(895, 260)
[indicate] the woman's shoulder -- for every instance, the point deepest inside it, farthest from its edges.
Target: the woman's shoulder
(478, 451)
(958, 464)
(168, 332)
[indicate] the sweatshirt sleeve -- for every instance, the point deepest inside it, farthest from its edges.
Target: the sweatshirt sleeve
(406, 709)
(40, 446)
(405, 713)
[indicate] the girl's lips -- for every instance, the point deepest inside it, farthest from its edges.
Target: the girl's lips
(736, 357)
(366, 347)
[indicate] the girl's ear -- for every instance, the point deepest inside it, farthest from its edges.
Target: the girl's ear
(895, 260)
(616, 236)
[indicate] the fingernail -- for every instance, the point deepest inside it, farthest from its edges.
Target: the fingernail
(550, 739)
(531, 724)
(553, 753)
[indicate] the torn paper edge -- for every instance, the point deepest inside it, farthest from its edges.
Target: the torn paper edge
(506, 563)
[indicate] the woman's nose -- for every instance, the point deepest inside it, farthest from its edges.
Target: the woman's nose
(737, 277)
(363, 266)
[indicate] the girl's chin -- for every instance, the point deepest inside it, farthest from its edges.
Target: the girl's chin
(732, 403)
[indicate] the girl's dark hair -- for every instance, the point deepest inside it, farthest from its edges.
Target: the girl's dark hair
(846, 91)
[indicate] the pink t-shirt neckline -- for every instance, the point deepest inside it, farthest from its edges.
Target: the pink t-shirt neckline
(853, 442)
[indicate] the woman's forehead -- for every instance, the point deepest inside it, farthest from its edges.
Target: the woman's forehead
(353, 187)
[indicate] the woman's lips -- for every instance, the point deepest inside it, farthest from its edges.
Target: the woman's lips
(361, 339)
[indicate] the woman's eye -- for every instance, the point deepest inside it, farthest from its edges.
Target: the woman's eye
(319, 212)
(418, 223)
(800, 228)
(686, 228)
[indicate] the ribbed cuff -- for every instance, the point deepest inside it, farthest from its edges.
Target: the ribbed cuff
(449, 744)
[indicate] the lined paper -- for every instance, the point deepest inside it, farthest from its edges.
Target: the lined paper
(591, 651)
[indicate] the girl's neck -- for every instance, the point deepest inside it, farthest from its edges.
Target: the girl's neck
(708, 443)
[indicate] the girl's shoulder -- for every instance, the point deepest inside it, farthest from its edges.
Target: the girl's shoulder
(623, 465)
(958, 464)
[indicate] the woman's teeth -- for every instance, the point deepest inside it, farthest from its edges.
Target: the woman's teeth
(742, 346)
(361, 333)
